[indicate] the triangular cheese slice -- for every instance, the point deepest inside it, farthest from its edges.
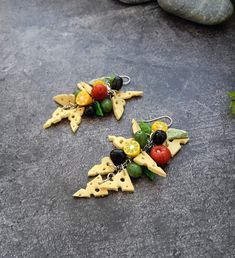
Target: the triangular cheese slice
(175, 145)
(135, 126)
(84, 86)
(92, 188)
(120, 180)
(118, 106)
(104, 168)
(143, 159)
(64, 99)
(118, 141)
(73, 115)
(129, 94)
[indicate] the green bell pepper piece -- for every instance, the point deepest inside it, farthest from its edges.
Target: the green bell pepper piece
(150, 175)
(98, 109)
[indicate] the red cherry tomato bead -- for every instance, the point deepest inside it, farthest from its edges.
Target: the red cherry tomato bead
(99, 92)
(160, 154)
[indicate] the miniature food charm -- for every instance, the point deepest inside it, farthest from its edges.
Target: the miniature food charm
(160, 154)
(98, 98)
(159, 137)
(142, 155)
(99, 92)
(173, 133)
(83, 99)
(132, 148)
(159, 125)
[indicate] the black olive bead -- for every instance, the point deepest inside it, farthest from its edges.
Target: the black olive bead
(117, 83)
(117, 156)
(159, 137)
(89, 111)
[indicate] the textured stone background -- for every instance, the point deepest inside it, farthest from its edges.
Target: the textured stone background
(185, 71)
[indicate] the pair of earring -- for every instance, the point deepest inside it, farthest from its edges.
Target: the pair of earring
(145, 153)
(96, 98)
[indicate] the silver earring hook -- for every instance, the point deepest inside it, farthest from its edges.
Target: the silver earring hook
(126, 79)
(158, 118)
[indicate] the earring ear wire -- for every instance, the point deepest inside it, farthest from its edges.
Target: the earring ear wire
(146, 153)
(159, 118)
(97, 98)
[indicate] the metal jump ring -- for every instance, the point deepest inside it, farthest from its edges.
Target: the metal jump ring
(109, 177)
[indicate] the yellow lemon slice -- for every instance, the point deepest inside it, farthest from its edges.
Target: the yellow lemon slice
(98, 82)
(83, 98)
(132, 148)
(159, 125)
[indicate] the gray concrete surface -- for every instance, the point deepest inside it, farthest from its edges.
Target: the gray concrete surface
(185, 71)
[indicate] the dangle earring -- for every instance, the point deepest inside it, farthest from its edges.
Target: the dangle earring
(151, 147)
(96, 98)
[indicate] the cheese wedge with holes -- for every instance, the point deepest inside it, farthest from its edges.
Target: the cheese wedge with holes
(135, 126)
(118, 106)
(143, 159)
(120, 180)
(84, 86)
(129, 94)
(175, 145)
(64, 99)
(104, 168)
(92, 188)
(118, 141)
(73, 115)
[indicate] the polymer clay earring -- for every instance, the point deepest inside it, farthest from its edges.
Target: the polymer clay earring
(96, 98)
(150, 147)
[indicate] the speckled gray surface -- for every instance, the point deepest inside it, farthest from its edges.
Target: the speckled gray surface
(185, 71)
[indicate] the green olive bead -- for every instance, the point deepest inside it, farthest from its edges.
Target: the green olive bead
(106, 105)
(141, 137)
(134, 170)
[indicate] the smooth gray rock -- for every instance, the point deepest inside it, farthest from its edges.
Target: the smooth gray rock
(134, 1)
(208, 12)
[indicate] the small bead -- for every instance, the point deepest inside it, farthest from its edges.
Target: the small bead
(132, 148)
(117, 83)
(141, 137)
(134, 170)
(158, 137)
(159, 125)
(83, 98)
(117, 156)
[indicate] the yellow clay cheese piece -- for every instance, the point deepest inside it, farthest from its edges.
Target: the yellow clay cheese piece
(118, 106)
(104, 168)
(129, 94)
(120, 180)
(135, 126)
(143, 159)
(84, 86)
(175, 145)
(64, 99)
(92, 188)
(118, 141)
(73, 115)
